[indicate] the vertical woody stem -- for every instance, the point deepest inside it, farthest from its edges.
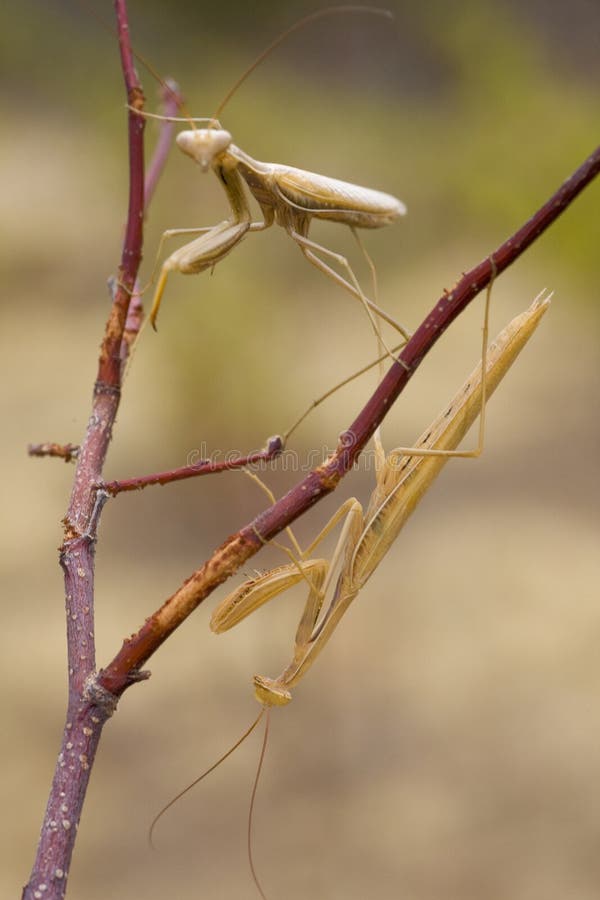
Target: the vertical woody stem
(88, 707)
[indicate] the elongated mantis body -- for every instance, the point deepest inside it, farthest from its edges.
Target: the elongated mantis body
(402, 479)
(287, 196)
(401, 482)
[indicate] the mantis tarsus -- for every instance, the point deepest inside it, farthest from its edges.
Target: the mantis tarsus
(287, 196)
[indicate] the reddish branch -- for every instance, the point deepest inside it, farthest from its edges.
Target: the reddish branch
(92, 699)
(203, 467)
(85, 719)
(171, 99)
(68, 452)
(236, 550)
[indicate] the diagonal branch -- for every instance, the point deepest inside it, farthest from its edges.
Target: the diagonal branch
(236, 550)
(92, 699)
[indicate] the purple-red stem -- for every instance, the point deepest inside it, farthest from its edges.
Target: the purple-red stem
(68, 452)
(93, 699)
(86, 711)
(171, 100)
(236, 550)
(204, 467)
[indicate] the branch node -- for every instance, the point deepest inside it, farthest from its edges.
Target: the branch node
(68, 452)
(104, 388)
(137, 675)
(112, 285)
(274, 447)
(98, 696)
(99, 501)
(135, 97)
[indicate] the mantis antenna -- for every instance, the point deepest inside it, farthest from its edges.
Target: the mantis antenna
(204, 774)
(265, 711)
(301, 23)
(307, 20)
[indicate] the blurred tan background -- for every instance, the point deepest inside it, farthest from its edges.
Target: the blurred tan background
(446, 745)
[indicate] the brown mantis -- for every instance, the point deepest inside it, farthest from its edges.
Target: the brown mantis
(402, 478)
(287, 196)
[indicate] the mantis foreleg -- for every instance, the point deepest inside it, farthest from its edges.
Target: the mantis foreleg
(401, 482)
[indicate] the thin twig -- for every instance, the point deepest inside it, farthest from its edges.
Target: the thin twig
(93, 699)
(171, 99)
(68, 452)
(237, 549)
(204, 467)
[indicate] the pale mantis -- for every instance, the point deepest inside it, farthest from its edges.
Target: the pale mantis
(288, 196)
(402, 478)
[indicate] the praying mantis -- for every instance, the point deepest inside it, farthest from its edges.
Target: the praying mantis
(287, 196)
(292, 198)
(402, 479)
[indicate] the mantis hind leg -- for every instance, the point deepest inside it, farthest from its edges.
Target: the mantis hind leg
(468, 454)
(377, 442)
(380, 312)
(310, 249)
(300, 558)
(377, 362)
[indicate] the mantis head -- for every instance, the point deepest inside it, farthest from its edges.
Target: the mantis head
(204, 145)
(269, 692)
